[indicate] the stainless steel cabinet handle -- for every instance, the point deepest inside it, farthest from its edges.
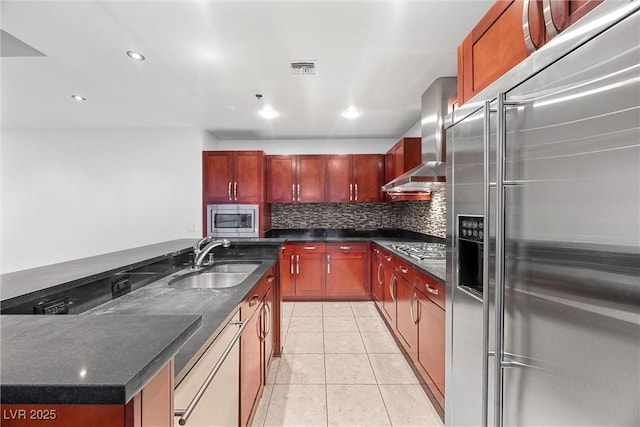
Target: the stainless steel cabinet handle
(350, 192)
(184, 414)
(345, 248)
(298, 192)
(403, 269)
(356, 192)
(309, 248)
(260, 327)
(229, 190)
(387, 257)
(268, 310)
(431, 290)
(270, 278)
(328, 264)
(379, 270)
(291, 264)
(391, 287)
(549, 25)
(526, 29)
(413, 318)
(297, 264)
(235, 191)
(293, 192)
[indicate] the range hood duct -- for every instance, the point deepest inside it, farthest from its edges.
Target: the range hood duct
(431, 173)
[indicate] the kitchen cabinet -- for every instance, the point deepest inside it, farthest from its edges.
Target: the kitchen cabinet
(347, 274)
(431, 342)
(565, 13)
(302, 270)
(406, 313)
(295, 179)
(389, 295)
(220, 403)
(498, 42)
(257, 344)
(233, 176)
(315, 270)
(354, 178)
(377, 277)
(405, 155)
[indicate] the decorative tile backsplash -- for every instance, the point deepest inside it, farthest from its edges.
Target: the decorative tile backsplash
(426, 217)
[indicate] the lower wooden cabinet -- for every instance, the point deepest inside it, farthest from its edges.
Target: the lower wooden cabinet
(377, 277)
(431, 336)
(315, 270)
(259, 342)
(407, 316)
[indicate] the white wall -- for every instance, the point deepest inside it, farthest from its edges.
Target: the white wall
(68, 194)
(415, 130)
(309, 146)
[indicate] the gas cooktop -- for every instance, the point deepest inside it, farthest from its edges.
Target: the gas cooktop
(421, 251)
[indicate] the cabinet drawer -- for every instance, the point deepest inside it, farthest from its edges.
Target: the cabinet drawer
(309, 248)
(347, 248)
(431, 288)
(404, 269)
(253, 299)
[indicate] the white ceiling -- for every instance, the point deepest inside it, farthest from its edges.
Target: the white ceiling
(206, 60)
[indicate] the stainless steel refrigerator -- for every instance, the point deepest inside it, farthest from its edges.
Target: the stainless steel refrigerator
(543, 236)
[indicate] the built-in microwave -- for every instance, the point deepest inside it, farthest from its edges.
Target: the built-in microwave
(233, 220)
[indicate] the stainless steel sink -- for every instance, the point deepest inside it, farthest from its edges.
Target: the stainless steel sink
(218, 276)
(234, 267)
(208, 280)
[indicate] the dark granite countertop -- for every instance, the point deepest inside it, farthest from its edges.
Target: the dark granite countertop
(216, 306)
(36, 282)
(86, 359)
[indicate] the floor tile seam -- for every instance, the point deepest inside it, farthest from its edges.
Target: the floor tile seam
(266, 411)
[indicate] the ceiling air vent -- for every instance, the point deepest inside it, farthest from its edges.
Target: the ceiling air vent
(304, 68)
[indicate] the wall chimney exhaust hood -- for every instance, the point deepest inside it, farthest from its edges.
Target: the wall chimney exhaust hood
(431, 173)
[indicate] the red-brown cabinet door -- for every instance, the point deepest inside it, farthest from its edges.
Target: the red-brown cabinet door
(268, 327)
(251, 362)
(217, 168)
(431, 336)
(287, 273)
(407, 316)
(347, 275)
(311, 179)
(310, 275)
(281, 178)
(339, 186)
(248, 182)
(368, 177)
(389, 297)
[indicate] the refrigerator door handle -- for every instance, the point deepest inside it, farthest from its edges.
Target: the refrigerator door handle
(485, 264)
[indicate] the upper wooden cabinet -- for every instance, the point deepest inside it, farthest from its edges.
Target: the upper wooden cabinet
(405, 155)
(354, 178)
(233, 176)
(506, 35)
(295, 179)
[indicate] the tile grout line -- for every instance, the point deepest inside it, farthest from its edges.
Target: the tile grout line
(376, 377)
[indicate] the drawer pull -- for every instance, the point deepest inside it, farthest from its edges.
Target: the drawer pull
(387, 257)
(309, 248)
(403, 269)
(184, 414)
(254, 300)
(270, 278)
(345, 248)
(431, 290)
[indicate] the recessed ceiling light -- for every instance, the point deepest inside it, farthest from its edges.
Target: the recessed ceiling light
(351, 113)
(268, 113)
(78, 97)
(135, 55)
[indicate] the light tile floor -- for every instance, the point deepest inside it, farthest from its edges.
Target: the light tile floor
(341, 367)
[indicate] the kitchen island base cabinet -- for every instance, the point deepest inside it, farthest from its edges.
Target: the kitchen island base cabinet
(431, 336)
(151, 407)
(219, 405)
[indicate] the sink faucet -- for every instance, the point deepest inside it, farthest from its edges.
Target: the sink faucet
(200, 254)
